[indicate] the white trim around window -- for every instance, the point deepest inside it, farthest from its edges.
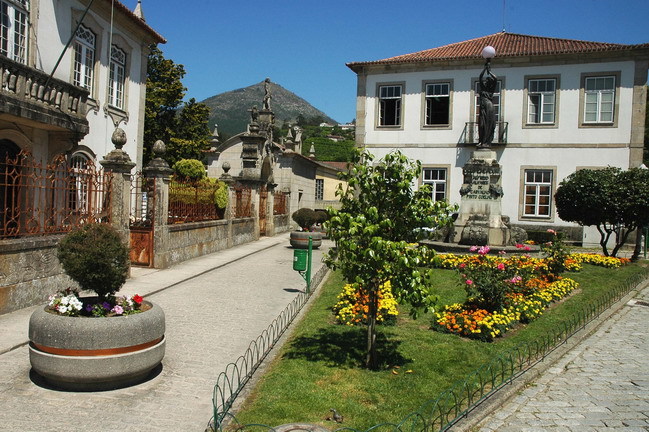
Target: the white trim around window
(437, 176)
(437, 104)
(85, 48)
(117, 77)
(14, 29)
(599, 99)
(542, 101)
(538, 185)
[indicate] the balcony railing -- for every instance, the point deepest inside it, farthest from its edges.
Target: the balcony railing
(470, 133)
(47, 100)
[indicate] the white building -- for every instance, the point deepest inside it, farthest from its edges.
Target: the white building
(561, 105)
(72, 71)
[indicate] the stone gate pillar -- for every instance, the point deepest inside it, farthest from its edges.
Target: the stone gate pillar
(120, 165)
(158, 172)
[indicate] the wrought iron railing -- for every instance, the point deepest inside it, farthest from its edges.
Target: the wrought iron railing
(193, 201)
(41, 199)
(243, 202)
(142, 203)
(280, 201)
(456, 403)
(470, 133)
(236, 375)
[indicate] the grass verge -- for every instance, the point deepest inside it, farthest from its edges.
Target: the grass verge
(320, 367)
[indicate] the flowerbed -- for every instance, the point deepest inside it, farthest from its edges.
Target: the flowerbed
(352, 306)
(69, 303)
(504, 291)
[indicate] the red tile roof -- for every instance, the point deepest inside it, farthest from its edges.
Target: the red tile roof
(138, 21)
(506, 45)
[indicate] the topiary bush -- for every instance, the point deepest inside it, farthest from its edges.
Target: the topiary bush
(322, 216)
(189, 169)
(95, 257)
(305, 218)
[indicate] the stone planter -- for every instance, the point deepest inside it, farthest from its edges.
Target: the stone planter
(300, 239)
(90, 354)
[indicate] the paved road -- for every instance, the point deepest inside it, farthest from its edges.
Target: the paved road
(210, 319)
(602, 384)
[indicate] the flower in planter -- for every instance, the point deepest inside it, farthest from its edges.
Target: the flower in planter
(68, 302)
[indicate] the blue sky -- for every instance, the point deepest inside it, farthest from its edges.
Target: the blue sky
(304, 45)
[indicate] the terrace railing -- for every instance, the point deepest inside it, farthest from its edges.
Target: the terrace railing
(191, 201)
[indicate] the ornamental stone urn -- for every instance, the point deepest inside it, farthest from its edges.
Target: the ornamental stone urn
(93, 354)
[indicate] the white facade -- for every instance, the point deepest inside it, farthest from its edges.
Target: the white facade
(114, 100)
(560, 145)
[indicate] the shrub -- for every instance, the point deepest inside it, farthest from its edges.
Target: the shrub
(189, 169)
(305, 218)
(322, 216)
(205, 191)
(95, 257)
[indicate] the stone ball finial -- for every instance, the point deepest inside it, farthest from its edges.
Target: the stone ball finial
(118, 138)
(226, 166)
(159, 149)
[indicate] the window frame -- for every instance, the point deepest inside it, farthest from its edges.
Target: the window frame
(523, 215)
(616, 100)
(424, 104)
(319, 189)
(446, 182)
(379, 105)
(117, 85)
(83, 73)
(526, 109)
(17, 51)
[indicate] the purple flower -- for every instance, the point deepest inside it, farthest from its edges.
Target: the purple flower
(88, 308)
(106, 305)
(118, 310)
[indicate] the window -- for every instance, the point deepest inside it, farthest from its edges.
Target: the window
(319, 189)
(538, 193)
(13, 32)
(84, 57)
(438, 103)
(390, 105)
(599, 101)
(496, 100)
(117, 77)
(541, 95)
(436, 178)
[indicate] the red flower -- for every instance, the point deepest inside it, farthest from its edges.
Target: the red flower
(137, 299)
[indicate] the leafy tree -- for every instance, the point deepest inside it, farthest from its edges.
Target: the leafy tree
(164, 94)
(615, 201)
(374, 229)
(191, 135)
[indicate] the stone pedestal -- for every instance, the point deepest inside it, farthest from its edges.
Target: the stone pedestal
(480, 220)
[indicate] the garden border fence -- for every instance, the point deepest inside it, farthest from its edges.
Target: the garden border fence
(454, 404)
(231, 382)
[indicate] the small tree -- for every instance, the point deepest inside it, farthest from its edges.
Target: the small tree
(615, 201)
(95, 257)
(374, 231)
(305, 218)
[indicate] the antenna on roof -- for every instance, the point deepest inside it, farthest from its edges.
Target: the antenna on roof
(504, 6)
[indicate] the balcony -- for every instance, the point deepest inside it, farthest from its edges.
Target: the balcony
(470, 134)
(28, 93)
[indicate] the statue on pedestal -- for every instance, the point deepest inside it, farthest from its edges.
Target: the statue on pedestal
(487, 115)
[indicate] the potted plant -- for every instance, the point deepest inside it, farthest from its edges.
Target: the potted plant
(95, 342)
(305, 218)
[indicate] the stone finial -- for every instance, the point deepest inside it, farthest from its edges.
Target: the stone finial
(118, 160)
(226, 177)
(158, 167)
(312, 151)
(138, 10)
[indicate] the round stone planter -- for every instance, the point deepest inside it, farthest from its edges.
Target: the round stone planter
(300, 239)
(91, 354)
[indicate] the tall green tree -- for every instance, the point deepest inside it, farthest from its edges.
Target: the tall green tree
(164, 94)
(191, 136)
(614, 201)
(374, 231)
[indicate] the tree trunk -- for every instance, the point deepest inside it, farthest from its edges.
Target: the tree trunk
(371, 360)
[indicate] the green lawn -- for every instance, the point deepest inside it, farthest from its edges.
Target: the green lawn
(320, 367)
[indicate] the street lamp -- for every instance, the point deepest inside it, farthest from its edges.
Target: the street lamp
(488, 52)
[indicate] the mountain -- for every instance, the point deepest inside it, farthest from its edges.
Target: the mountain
(229, 110)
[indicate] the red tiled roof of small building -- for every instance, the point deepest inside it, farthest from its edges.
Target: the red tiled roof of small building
(506, 45)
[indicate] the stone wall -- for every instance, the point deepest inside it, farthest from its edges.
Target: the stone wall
(282, 223)
(29, 272)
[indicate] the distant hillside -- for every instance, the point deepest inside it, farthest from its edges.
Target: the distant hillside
(230, 110)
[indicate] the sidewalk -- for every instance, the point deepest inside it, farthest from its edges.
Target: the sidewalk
(214, 305)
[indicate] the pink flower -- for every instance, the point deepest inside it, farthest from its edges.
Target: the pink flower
(469, 282)
(462, 265)
(551, 231)
(473, 248)
(527, 248)
(502, 252)
(501, 266)
(516, 279)
(484, 250)
(519, 246)
(118, 310)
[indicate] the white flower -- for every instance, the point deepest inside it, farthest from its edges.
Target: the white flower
(76, 304)
(62, 309)
(65, 300)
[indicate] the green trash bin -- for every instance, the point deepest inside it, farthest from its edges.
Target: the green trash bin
(299, 259)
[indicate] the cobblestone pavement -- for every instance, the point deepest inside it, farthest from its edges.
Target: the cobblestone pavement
(211, 320)
(602, 384)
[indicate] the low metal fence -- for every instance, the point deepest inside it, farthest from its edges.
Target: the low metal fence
(41, 199)
(236, 375)
(456, 403)
(193, 202)
(243, 202)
